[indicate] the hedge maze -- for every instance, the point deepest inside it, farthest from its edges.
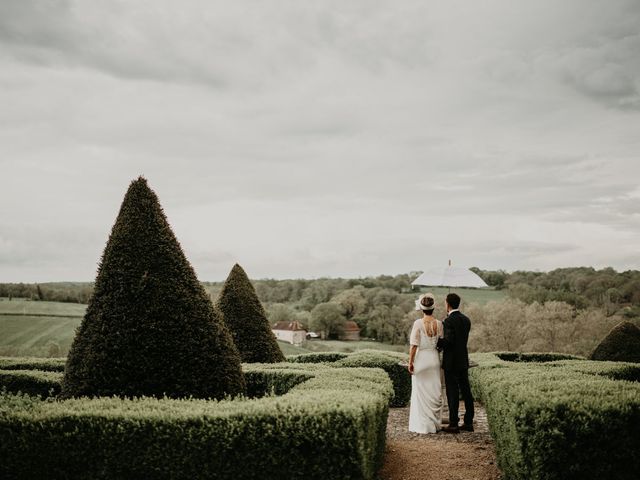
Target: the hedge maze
(553, 418)
(325, 423)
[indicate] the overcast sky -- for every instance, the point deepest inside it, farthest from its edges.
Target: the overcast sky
(328, 138)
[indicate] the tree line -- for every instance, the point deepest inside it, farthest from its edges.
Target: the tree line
(67, 292)
(581, 287)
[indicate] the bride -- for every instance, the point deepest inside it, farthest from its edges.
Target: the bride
(424, 366)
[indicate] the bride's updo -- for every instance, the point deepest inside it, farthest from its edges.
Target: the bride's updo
(427, 303)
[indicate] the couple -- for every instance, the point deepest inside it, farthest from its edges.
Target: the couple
(430, 336)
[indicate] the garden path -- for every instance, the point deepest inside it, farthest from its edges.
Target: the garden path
(440, 456)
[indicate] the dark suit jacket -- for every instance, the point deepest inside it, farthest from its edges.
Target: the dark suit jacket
(454, 343)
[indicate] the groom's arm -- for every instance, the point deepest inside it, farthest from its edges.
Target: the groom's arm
(448, 340)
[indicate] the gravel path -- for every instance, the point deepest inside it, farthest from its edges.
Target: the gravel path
(440, 456)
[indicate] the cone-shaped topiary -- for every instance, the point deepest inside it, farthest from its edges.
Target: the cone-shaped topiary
(246, 319)
(622, 344)
(150, 328)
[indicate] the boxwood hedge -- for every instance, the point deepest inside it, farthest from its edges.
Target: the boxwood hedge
(32, 382)
(320, 357)
(29, 363)
(329, 425)
(562, 419)
(390, 362)
(537, 357)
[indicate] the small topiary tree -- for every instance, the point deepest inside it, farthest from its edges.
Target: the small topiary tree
(150, 328)
(622, 344)
(246, 319)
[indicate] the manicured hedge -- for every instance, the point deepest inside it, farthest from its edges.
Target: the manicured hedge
(561, 420)
(330, 425)
(266, 382)
(244, 316)
(28, 363)
(535, 356)
(614, 369)
(622, 344)
(391, 362)
(150, 328)
(48, 384)
(321, 357)
(31, 382)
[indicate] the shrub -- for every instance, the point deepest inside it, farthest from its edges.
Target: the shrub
(263, 382)
(246, 320)
(31, 382)
(622, 344)
(150, 328)
(329, 426)
(539, 357)
(322, 357)
(260, 382)
(26, 363)
(562, 419)
(390, 362)
(614, 370)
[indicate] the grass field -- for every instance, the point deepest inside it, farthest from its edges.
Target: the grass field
(24, 335)
(26, 307)
(41, 329)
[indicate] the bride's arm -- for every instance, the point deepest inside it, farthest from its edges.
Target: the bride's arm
(412, 356)
(414, 341)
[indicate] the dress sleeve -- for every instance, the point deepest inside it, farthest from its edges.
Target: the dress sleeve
(414, 339)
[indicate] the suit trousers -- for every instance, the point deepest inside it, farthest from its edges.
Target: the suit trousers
(457, 382)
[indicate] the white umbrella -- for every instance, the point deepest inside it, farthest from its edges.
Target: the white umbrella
(449, 277)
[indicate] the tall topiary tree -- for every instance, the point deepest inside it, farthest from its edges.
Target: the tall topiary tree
(150, 328)
(246, 319)
(622, 344)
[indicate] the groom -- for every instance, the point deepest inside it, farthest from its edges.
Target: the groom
(455, 363)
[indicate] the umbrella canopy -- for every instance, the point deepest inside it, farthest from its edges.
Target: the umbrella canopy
(449, 277)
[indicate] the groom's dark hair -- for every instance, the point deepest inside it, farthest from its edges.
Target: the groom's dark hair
(453, 300)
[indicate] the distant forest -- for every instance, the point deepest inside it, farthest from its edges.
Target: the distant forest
(565, 310)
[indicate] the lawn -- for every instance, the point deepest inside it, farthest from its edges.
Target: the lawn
(30, 328)
(26, 335)
(25, 307)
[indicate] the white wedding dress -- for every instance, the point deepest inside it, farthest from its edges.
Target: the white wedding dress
(426, 395)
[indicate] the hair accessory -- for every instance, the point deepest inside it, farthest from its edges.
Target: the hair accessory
(426, 302)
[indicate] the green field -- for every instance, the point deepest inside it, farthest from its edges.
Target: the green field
(42, 329)
(25, 307)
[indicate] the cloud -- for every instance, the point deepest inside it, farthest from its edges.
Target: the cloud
(322, 139)
(213, 43)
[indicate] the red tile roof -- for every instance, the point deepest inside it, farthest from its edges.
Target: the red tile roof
(351, 326)
(293, 326)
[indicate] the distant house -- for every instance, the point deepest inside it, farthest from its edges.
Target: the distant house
(351, 331)
(291, 332)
